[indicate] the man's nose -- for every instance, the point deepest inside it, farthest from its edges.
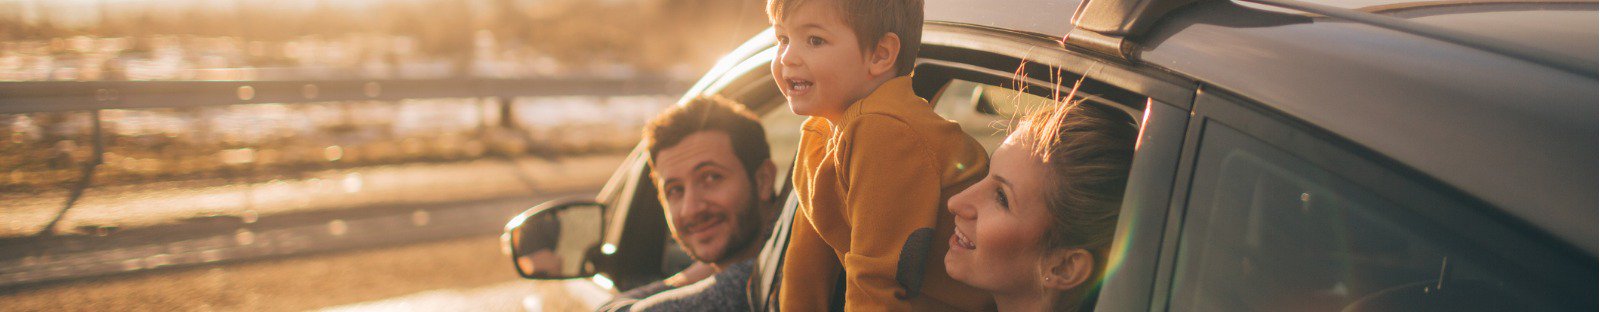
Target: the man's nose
(693, 203)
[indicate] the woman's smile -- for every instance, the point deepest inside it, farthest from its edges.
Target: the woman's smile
(960, 240)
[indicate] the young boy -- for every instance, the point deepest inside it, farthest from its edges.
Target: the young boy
(876, 164)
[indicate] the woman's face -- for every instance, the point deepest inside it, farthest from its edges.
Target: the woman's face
(999, 222)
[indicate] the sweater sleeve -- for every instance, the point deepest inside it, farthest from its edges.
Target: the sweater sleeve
(624, 302)
(892, 196)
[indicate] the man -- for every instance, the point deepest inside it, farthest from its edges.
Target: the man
(713, 170)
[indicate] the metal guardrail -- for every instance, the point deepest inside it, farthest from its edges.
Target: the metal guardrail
(32, 260)
(51, 257)
(51, 96)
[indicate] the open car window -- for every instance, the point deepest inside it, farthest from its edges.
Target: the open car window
(987, 112)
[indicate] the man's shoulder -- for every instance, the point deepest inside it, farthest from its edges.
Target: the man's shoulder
(625, 300)
(741, 269)
(724, 291)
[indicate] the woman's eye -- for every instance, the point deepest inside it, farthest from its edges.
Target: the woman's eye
(783, 39)
(1000, 196)
(815, 41)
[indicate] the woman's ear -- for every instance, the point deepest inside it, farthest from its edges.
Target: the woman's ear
(884, 55)
(1066, 269)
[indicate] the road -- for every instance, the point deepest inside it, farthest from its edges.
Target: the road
(458, 274)
(466, 274)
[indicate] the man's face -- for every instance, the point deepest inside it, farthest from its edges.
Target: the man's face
(821, 67)
(709, 199)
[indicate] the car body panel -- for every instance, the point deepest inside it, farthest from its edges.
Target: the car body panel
(1141, 227)
(1565, 28)
(1045, 17)
(1471, 127)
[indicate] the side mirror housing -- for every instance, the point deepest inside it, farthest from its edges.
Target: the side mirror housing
(555, 240)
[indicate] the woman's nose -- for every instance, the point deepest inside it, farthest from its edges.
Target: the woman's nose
(961, 206)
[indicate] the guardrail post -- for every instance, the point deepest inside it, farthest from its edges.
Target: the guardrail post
(106, 97)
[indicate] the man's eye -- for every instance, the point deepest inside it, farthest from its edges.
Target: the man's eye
(815, 41)
(674, 191)
(713, 178)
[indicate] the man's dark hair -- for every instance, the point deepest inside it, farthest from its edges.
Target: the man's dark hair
(710, 113)
(871, 20)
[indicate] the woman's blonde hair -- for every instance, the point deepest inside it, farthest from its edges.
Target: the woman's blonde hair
(1088, 149)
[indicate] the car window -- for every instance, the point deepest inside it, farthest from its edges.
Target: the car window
(783, 134)
(985, 111)
(1266, 231)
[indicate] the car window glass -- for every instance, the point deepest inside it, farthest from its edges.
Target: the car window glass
(1265, 231)
(985, 111)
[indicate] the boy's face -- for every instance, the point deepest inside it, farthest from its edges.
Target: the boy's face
(821, 67)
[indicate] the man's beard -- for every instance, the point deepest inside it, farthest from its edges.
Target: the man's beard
(745, 228)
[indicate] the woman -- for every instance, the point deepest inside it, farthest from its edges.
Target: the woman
(1035, 232)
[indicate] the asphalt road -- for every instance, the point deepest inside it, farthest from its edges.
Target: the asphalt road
(467, 274)
(462, 274)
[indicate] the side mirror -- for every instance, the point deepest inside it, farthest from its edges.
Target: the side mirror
(555, 240)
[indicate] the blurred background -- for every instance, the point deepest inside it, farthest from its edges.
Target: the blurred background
(259, 155)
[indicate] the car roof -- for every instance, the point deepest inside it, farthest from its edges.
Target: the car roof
(1516, 133)
(1052, 18)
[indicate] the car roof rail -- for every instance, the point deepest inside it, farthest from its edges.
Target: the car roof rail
(1105, 26)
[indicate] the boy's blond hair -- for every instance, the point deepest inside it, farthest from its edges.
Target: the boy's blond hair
(870, 20)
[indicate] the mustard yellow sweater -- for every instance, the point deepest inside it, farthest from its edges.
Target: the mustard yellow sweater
(865, 186)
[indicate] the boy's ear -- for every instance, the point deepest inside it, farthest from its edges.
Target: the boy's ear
(1066, 269)
(883, 56)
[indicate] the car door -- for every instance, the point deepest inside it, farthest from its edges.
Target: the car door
(1273, 215)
